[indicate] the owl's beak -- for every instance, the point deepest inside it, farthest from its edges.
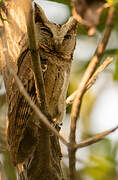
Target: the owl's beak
(57, 44)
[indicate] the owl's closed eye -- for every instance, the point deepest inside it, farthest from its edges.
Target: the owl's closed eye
(59, 38)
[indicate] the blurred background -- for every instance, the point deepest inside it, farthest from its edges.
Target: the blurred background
(99, 106)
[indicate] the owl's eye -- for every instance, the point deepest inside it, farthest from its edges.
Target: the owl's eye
(67, 36)
(46, 30)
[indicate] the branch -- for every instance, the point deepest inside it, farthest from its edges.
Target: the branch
(82, 88)
(91, 67)
(33, 46)
(92, 80)
(95, 138)
(96, 58)
(41, 116)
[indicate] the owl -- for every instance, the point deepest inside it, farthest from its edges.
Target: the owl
(56, 44)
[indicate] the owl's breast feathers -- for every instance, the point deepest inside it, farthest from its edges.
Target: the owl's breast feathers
(19, 110)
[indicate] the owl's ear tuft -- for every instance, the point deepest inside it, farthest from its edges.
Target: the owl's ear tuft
(72, 24)
(75, 23)
(39, 14)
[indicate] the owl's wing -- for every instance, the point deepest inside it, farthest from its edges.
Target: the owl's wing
(19, 110)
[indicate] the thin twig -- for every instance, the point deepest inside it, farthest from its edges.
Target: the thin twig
(70, 98)
(95, 138)
(41, 116)
(107, 61)
(82, 88)
(92, 80)
(33, 46)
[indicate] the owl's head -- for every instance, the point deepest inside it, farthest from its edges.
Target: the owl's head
(55, 38)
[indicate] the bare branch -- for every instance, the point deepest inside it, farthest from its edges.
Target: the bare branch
(107, 61)
(82, 88)
(92, 80)
(70, 99)
(95, 138)
(33, 46)
(91, 67)
(41, 116)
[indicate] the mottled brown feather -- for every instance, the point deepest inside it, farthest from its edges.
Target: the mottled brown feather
(56, 55)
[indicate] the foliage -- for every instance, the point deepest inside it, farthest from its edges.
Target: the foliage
(101, 163)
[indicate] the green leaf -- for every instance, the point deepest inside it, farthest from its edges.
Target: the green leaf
(116, 70)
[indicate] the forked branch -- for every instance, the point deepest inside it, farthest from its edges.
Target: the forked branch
(82, 88)
(92, 80)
